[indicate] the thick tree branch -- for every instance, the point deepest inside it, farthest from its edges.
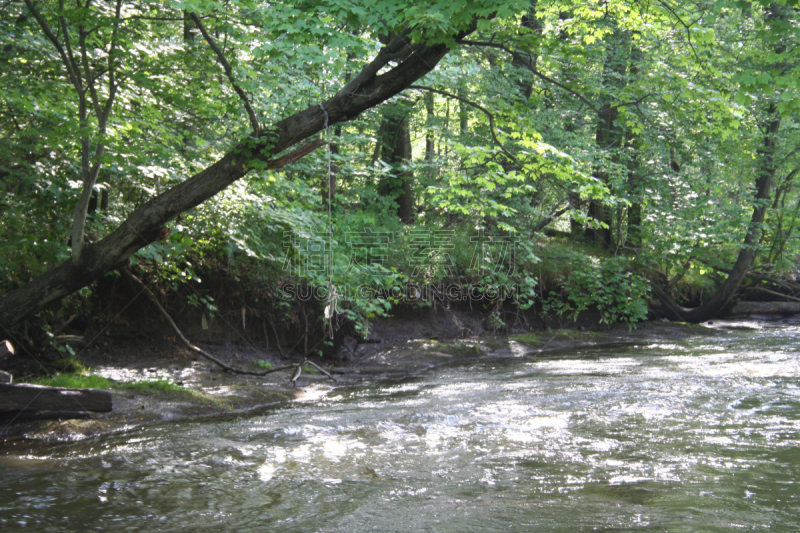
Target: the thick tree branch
(396, 47)
(295, 155)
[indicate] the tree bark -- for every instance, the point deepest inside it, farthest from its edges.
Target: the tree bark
(531, 23)
(765, 308)
(144, 225)
(430, 117)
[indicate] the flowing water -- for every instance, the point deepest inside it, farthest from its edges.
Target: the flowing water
(693, 435)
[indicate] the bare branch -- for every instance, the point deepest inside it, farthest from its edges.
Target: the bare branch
(228, 72)
(775, 293)
(529, 65)
(489, 114)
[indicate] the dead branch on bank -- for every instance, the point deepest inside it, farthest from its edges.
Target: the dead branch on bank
(136, 281)
(774, 293)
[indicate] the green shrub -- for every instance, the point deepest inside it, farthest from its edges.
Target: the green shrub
(606, 284)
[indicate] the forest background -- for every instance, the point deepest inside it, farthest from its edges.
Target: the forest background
(626, 157)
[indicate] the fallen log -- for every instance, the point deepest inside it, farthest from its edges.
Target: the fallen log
(24, 397)
(765, 308)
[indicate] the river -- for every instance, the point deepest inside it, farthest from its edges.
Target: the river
(692, 435)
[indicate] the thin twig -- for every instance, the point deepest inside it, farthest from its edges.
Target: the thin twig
(688, 28)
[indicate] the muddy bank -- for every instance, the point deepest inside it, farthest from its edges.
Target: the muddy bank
(408, 346)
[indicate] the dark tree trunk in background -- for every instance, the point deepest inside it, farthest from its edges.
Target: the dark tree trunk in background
(395, 142)
(635, 185)
(430, 148)
(609, 135)
(463, 110)
(530, 22)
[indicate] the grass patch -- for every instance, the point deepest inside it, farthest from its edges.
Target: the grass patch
(90, 381)
(75, 381)
(156, 385)
(532, 338)
(266, 365)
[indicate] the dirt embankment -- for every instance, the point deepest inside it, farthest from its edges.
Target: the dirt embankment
(408, 345)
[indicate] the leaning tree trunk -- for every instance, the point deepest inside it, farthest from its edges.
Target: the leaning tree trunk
(721, 299)
(146, 224)
(744, 262)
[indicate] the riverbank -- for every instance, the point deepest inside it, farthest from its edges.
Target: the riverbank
(201, 389)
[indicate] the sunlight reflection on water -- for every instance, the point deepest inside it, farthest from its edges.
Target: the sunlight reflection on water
(671, 436)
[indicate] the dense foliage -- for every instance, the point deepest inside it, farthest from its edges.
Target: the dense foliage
(569, 150)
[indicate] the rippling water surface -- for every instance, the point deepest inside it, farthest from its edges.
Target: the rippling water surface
(697, 435)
